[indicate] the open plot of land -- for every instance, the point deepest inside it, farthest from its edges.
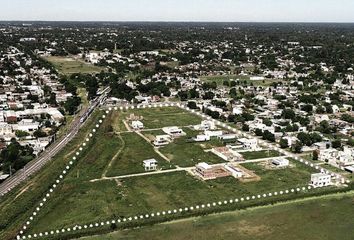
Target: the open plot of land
(219, 79)
(184, 153)
(134, 149)
(161, 117)
(68, 65)
(78, 202)
(311, 219)
(260, 154)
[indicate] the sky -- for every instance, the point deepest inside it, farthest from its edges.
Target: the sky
(179, 10)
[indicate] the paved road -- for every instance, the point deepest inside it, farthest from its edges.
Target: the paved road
(35, 165)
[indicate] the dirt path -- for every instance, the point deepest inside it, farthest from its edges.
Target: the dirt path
(155, 149)
(143, 174)
(115, 156)
(127, 125)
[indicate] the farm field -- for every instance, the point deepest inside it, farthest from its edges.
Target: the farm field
(282, 221)
(68, 65)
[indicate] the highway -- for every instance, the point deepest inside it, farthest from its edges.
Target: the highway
(35, 165)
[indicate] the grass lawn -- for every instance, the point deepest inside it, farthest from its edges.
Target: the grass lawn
(219, 79)
(186, 154)
(161, 117)
(260, 154)
(132, 150)
(68, 65)
(79, 202)
(329, 217)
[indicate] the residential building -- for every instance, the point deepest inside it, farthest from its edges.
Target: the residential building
(320, 179)
(150, 164)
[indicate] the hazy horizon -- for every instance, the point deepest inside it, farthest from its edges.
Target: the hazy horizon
(249, 11)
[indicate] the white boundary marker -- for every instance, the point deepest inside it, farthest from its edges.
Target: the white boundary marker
(91, 134)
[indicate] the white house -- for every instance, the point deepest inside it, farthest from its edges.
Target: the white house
(5, 129)
(27, 125)
(201, 138)
(237, 110)
(205, 125)
(346, 157)
(137, 125)
(320, 179)
(235, 172)
(229, 136)
(280, 162)
(162, 140)
(150, 164)
(173, 131)
(213, 133)
(250, 144)
(328, 155)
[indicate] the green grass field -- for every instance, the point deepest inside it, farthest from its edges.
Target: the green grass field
(80, 201)
(131, 152)
(219, 79)
(329, 217)
(260, 154)
(186, 154)
(68, 65)
(160, 117)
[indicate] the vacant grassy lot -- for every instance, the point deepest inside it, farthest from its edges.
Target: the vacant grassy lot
(186, 154)
(329, 218)
(219, 79)
(130, 153)
(79, 202)
(260, 154)
(68, 65)
(161, 117)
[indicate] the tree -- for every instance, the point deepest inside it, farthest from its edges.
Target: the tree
(315, 155)
(245, 128)
(288, 113)
(15, 156)
(208, 95)
(267, 122)
(268, 136)
(72, 104)
(284, 143)
(336, 143)
(192, 105)
(183, 95)
(258, 132)
(21, 134)
(297, 147)
(39, 133)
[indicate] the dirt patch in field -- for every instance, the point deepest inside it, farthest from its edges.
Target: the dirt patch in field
(245, 228)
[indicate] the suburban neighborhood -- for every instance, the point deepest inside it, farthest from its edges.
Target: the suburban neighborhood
(176, 130)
